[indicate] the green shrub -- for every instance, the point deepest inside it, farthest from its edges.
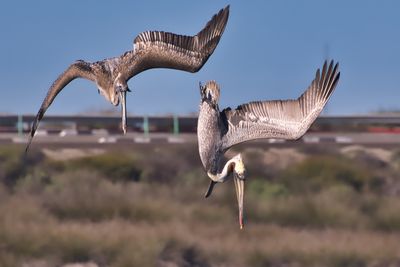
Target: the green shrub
(265, 190)
(386, 215)
(316, 173)
(113, 166)
(14, 163)
(329, 208)
(84, 195)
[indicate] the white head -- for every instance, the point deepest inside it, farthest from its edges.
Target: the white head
(110, 94)
(210, 92)
(115, 92)
(234, 166)
(112, 90)
(238, 167)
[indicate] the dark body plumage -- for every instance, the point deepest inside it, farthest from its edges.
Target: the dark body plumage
(152, 49)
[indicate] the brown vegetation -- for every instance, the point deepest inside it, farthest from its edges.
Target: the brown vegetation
(145, 207)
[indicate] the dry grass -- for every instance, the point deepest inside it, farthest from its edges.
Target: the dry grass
(121, 243)
(58, 213)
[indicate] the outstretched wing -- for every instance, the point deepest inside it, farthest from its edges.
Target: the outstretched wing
(285, 119)
(79, 69)
(157, 49)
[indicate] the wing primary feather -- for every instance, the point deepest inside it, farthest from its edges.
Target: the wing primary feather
(333, 77)
(158, 49)
(79, 69)
(287, 119)
(328, 76)
(330, 80)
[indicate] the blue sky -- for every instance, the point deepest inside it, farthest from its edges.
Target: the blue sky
(270, 50)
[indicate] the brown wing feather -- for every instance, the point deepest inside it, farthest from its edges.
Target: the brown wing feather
(157, 49)
(79, 69)
(286, 119)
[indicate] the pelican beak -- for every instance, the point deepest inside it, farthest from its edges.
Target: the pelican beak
(239, 185)
(122, 95)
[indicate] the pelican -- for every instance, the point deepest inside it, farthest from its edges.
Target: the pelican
(218, 131)
(152, 49)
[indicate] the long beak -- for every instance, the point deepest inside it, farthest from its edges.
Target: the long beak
(239, 185)
(123, 110)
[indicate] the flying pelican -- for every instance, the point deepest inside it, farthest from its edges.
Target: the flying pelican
(218, 131)
(152, 49)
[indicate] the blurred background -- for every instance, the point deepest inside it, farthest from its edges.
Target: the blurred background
(85, 195)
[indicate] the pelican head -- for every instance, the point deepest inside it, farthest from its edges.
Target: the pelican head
(116, 93)
(239, 168)
(120, 90)
(109, 94)
(210, 92)
(234, 166)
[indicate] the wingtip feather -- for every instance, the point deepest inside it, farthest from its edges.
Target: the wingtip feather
(34, 127)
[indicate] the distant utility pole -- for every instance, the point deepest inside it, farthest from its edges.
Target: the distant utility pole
(176, 125)
(20, 125)
(146, 126)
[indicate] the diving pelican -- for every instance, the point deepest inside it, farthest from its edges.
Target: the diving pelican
(217, 131)
(152, 49)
